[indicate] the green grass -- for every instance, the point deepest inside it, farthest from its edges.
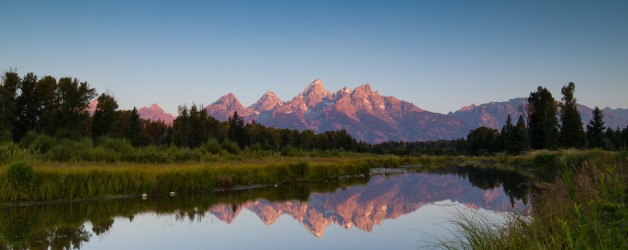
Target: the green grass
(54, 181)
(584, 208)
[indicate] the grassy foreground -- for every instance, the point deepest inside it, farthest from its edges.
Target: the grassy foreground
(583, 208)
(53, 181)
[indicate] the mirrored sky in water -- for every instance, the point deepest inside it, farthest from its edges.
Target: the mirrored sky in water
(401, 211)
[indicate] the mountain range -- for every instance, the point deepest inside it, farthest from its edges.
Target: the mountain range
(369, 116)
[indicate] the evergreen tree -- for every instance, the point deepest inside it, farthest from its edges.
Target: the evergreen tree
(507, 129)
(181, 127)
(571, 131)
(105, 116)
(518, 141)
(542, 123)
(237, 130)
(8, 89)
(595, 129)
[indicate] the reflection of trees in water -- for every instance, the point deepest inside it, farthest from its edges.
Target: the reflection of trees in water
(515, 185)
(61, 226)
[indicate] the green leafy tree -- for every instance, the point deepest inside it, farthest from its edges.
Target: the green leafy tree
(571, 132)
(483, 140)
(105, 116)
(27, 107)
(542, 123)
(595, 129)
(46, 102)
(73, 98)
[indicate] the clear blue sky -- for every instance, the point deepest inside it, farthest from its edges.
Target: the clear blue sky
(439, 55)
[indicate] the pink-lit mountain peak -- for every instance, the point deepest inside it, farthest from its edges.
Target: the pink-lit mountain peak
(155, 113)
(267, 102)
(314, 93)
(229, 100)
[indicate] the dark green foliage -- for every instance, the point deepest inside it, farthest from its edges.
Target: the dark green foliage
(46, 102)
(36, 142)
(542, 123)
(72, 99)
(212, 146)
(515, 137)
(10, 83)
(27, 106)
(21, 178)
(483, 140)
(105, 116)
(231, 147)
(237, 130)
(571, 131)
(595, 129)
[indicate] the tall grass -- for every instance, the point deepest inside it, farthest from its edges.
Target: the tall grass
(67, 181)
(585, 208)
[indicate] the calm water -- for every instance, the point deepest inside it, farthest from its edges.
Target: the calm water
(402, 211)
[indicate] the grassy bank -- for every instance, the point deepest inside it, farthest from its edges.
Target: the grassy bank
(53, 180)
(583, 208)
(39, 181)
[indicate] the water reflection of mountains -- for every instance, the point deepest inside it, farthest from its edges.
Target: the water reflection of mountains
(388, 197)
(315, 206)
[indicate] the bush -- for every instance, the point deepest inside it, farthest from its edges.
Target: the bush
(231, 147)
(36, 142)
(117, 145)
(212, 146)
(21, 178)
(68, 150)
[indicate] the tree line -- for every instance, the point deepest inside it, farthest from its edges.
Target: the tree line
(58, 108)
(547, 124)
(30, 106)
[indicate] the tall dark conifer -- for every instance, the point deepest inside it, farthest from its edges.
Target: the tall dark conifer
(571, 132)
(595, 129)
(542, 123)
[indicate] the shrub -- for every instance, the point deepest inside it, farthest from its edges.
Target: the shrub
(37, 142)
(68, 150)
(117, 145)
(231, 147)
(21, 178)
(212, 146)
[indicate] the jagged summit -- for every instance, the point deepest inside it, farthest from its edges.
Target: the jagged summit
(314, 93)
(268, 102)
(155, 113)
(226, 105)
(364, 113)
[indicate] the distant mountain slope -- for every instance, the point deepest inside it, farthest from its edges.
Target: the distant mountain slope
(364, 113)
(155, 113)
(493, 114)
(152, 113)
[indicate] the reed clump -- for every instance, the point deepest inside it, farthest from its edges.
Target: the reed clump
(584, 208)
